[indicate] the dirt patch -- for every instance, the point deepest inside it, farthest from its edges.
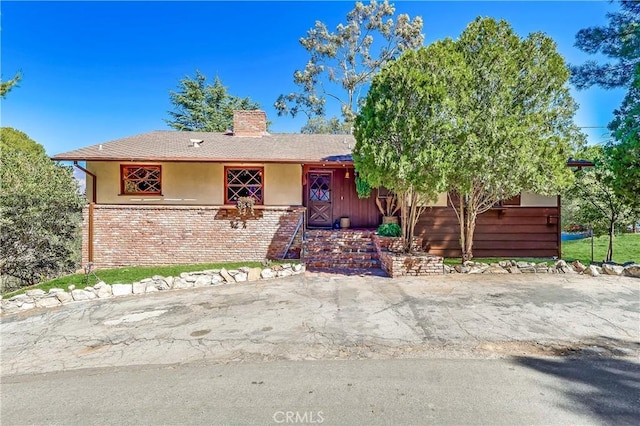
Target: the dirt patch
(92, 349)
(595, 349)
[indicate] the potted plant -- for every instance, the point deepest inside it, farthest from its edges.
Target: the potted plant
(388, 206)
(245, 205)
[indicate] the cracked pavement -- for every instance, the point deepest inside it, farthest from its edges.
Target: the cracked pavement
(326, 316)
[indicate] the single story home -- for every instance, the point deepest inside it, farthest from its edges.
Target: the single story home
(169, 197)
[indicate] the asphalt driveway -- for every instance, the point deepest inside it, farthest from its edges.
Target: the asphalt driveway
(324, 316)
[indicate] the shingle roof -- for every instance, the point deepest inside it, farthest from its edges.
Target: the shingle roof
(166, 145)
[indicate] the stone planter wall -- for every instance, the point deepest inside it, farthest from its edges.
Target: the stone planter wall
(398, 264)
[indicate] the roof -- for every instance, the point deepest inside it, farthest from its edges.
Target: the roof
(579, 163)
(167, 145)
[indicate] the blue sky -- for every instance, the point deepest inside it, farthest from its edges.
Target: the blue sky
(98, 71)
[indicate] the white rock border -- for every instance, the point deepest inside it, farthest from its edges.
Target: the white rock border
(37, 298)
(559, 267)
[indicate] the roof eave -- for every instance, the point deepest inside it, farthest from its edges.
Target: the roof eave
(201, 160)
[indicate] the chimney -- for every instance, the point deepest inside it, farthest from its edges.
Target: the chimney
(249, 123)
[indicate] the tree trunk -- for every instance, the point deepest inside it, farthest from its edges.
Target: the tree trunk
(469, 229)
(610, 248)
(462, 220)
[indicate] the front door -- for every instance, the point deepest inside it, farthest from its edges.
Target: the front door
(320, 209)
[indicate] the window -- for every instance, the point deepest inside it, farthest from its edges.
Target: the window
(243, 182)
(140, 180)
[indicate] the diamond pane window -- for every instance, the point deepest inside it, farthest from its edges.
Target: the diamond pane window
(243, 182)
(141, 180)
(320, 188)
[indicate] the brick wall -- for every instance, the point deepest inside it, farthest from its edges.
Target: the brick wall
(126, 235)
(397, 264)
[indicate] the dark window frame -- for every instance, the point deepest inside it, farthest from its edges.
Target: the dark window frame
(150, 167)
(227, 169)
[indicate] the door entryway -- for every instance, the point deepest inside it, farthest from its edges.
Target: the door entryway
(320, 208)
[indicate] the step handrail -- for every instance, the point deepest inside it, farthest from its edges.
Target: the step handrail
(293, 236)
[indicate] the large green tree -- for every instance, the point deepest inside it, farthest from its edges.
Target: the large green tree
(201, 106)
(492, 111)
(597, 202)
(39, 212)
(342, 62)
(398, 141)
(320, 125)
(618, 40)
(624, 152)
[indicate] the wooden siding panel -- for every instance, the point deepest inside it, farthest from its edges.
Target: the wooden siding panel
(508, 232)
(363, 213)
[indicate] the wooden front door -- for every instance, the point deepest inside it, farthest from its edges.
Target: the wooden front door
(320, 208)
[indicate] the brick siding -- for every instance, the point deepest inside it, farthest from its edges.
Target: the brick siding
(398, 265)
(126, 235)
(249, 123)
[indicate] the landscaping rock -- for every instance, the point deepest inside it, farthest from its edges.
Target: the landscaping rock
(169, 281)
(47, 302)
(632, 270)
(180, 283)
(592, 270)
(560, 264)
(227, 276)
(496, 269)
(55, 290)
(284, 273)
(28, 305)
(104, 291)
(202, 281)
(298, 268)
(122, 289)
(71, 287)
(151, 289)
(82, 295)
(578, 267)
(253, 274)
(267, 274)
(64, 297)
(139, 287)
(217, 279)
(241, 277)
(35, 293)
(462, 269)
(610, 269)
(160, 284)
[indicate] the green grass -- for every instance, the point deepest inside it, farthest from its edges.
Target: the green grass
(452, 261)
(130, 274)
(626, 247)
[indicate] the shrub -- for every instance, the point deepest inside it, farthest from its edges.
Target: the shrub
(389, 230)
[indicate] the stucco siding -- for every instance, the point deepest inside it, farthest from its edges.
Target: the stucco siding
(283, 184)
(196, 184)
